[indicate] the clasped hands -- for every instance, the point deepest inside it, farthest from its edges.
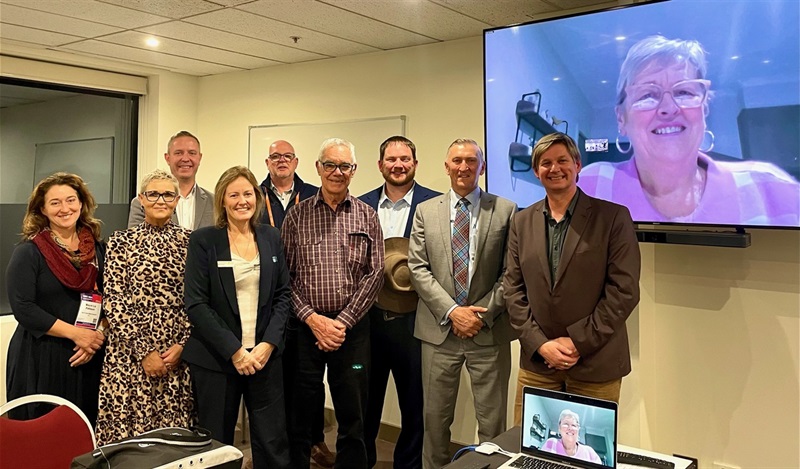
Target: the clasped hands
(157, 364)
(560, 353)
(87, 343)
(330, 333)
(464, 321)
(248, 363)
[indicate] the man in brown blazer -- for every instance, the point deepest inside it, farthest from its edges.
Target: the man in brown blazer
(572, 280)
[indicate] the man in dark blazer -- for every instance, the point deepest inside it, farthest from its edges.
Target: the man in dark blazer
(393, 345)
(461, 317)
(196, 206)
(283, 188)
(572, 280)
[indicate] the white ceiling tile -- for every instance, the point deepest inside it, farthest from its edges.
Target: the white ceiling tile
(336, 22)
(499, 12)
(430, 19)
(111, 51)
(192, 51)
(233, 42)
(34, 36)
(258, 27)
(170, 8)
(45, 21)
(92, 10)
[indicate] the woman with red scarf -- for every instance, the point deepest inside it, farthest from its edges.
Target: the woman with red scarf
(54, 274)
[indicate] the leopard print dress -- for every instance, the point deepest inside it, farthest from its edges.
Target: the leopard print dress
(144, 306)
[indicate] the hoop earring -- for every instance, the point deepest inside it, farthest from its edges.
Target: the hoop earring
(711, 146)
(619, 148)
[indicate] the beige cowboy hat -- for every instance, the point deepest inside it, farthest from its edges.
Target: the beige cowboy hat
(397, 294)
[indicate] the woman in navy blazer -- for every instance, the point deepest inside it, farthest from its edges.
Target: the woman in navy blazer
(238, 301)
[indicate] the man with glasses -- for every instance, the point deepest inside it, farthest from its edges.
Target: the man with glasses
(456, 259)
(282, 187)
(196, 205)
(393, 345)
(572, 280)
(335, 252)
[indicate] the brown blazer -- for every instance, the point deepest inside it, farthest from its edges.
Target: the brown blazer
(596, 288)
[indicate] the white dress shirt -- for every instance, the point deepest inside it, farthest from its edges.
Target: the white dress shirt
(284, 197)
(394, 215)
(185, 209)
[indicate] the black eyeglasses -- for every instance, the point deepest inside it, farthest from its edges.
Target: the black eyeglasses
(345, 168)
(153, 196)
(275, 157)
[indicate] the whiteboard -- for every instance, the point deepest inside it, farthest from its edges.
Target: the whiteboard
(366, 134)
(91, 159)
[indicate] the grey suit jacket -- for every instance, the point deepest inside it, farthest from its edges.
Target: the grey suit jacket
(203, 210)
(430, 258)
(595, 290)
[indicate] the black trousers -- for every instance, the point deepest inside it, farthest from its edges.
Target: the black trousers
(395, 350)
(289, 372)
(347, 378)
(218, 396)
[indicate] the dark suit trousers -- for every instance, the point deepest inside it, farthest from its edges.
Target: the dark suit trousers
(347, 378)
(318, 421)
(218, 396)
(394, 349)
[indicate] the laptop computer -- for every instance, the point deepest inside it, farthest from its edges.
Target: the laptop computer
(566, 430)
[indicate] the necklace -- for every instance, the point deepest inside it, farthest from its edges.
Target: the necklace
(235, 242)
(74, 256)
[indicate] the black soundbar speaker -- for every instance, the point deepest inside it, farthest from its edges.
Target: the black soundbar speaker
(698, 238)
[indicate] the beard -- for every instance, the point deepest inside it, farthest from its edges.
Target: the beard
(408, 177)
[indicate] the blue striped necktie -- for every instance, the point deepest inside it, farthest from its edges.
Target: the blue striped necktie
(460, 242)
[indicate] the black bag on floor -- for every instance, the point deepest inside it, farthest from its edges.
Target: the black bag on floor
(165, 448)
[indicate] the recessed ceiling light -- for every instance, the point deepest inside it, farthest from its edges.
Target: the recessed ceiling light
(152, 42)
(556, 78)
(766, 61)
(734, 57)
(604, 81)
(620, 38)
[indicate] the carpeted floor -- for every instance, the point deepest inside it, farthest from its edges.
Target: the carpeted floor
(385, 449)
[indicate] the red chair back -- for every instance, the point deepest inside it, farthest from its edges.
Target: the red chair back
(50, 441)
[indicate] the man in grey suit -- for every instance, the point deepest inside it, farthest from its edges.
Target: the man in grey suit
(571, 282)
(456, 252)
(196, 205)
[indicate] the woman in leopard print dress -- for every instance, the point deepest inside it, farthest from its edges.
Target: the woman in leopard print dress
(144, 384)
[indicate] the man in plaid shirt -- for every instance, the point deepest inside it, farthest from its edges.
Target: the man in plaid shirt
(335, 252)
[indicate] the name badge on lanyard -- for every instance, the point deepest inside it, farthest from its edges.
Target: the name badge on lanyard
(89, 311)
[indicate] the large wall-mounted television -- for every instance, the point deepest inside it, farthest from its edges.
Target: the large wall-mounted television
(685, 111)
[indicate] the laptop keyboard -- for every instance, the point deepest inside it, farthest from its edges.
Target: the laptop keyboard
(527, 462)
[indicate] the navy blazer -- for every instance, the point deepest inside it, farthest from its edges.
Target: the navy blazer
(421, 194)
(211, 303)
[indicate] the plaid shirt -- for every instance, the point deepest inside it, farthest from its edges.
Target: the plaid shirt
(736, 193)
(335, 258)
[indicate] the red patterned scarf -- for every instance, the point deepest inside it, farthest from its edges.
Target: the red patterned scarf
(77, 273)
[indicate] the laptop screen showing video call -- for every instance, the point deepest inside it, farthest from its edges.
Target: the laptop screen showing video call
(569, 428)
